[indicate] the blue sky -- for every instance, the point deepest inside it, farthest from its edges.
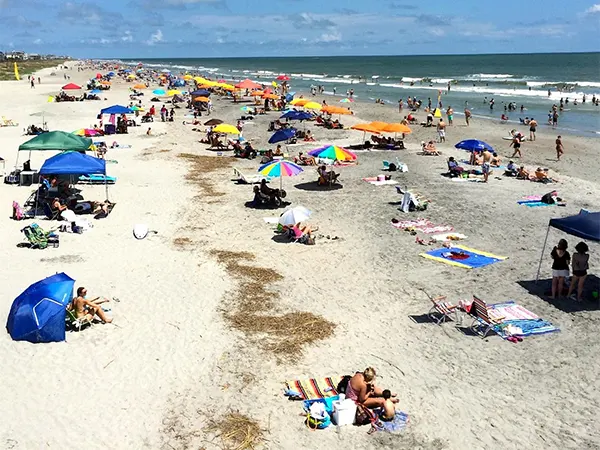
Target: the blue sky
(214, 28)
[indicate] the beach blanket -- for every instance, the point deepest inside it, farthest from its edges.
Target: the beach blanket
(448, 237)
(375, 182)
(519, 321)
(534, 203)
(464, 257)
(532, 197)
(315, 387)
(467, 180)
(423, 225)
(398, 424)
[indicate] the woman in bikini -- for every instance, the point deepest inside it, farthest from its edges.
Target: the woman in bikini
(361, 388)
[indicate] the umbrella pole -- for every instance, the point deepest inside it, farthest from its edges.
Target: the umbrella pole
(537, 276)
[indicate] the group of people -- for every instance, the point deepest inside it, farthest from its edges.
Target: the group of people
(563, 262)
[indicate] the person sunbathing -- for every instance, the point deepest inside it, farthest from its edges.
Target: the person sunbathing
(541, 175)
(522, 173)
(361, 388)
(496, 160)
(88, 309)
(305, 160)
(429, 148)
(302, 234)
(511, 170)
(308, 137)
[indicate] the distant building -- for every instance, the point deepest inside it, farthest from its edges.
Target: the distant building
(17, 56)
(33, 56)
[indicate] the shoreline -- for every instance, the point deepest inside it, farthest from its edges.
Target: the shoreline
(172, 363)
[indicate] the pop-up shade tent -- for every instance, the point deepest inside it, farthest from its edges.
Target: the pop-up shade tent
(38, 314)
(57, 141)
(585, 225)
(116, 109)
(73, 163)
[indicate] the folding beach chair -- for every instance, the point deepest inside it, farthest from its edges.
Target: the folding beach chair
(484, 320)
(442, 310)
(76, 324)
(249, 179)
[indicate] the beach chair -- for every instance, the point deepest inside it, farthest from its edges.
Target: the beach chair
(73, 323)
(249, 179)
(443, 310)
(484, 320)
(38, 238)
(8, 123)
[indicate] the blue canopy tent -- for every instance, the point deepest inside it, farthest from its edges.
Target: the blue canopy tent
(116, 109)
(75, 163)
(585, 225)
(38, 314)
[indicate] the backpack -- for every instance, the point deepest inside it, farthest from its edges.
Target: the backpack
(392, 167)
(343, 384)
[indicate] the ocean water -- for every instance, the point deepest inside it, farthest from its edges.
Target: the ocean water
(521, 78)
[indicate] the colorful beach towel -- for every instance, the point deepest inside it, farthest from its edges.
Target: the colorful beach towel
(519, 321)
(459, 256)
(534, 203)
(315, 387)
(375, 182)
(532, 197)
(394, 426)
(423, 225)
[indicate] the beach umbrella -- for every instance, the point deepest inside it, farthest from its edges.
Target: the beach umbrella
(299, 101)
(173, 92)
(95, 91)
(347, 100)
(280, 168)
(365, 128)
(116, 109)
(70, 86)
(247, 109)
(333, 152)
(331, 109)
(270, 96)
(58, 141)
(258, 93)
(38, 314)
(131, 76)
(396, 128)
(202, 99)
(139, 86)
(283, 78)
(226, 129)
(105, 83)
(472, 145)
(88, 132)
(248, 84)
(202, 92)
(294, 215)
(296, 115)
(98, 75)
(213, 122)
(159, 92)
(282, 135)
(312, 105)
(187, 77)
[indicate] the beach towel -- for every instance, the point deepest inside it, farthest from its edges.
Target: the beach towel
(532, 197)
(375, 182)
(436, 229)
(467, 180)
(394, 426)
(464, 257)
(448, 237)
(519, 321)
(423, 225)
(315, 387)
(535, 203)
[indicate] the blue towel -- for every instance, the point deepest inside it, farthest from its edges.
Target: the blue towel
(529, 327)
(398, 424)
(475, 260)
(534, 203)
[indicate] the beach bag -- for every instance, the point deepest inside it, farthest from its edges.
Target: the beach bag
(392, 167)
(317, 417)
(343, 384)
(364, 416)
(17, 211)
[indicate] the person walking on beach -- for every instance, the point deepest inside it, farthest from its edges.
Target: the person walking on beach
(532, 128)
(32, 83)
(450, 114)
(467, 116)
(516, 144)
(560, 150)
(485, 164)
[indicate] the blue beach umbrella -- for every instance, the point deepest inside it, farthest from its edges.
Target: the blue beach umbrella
(159, 92)
(282, 135)
(38, 314)
(472, 145)
(95, 91)
(296, 115)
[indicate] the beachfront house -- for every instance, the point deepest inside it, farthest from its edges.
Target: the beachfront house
(17, 56)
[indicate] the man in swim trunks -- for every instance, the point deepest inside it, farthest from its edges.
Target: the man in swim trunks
(532, 128)
(516, 144)
(441, 129)
(559, 148)
(467, 116)
(485, 165)
(88, 308)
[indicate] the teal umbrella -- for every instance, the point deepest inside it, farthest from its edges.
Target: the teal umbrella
(159, 92)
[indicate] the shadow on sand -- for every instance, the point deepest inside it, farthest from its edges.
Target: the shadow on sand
(543, 290)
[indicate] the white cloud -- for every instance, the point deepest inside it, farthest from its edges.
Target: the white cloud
(594, 9)
(333, 36)
(436, 31)
(127, 37)
(38, 41)
(155, 37)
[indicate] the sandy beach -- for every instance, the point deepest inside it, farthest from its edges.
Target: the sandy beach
(186, 348)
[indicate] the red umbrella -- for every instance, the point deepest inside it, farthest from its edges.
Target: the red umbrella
(248, 84)
(98, 75)
(283, 78)
(70, 86)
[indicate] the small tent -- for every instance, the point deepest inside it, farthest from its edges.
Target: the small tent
(116, 109)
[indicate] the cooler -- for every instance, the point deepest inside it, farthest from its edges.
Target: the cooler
(109, 128)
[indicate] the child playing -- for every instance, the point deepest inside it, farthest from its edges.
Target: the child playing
(389, 410)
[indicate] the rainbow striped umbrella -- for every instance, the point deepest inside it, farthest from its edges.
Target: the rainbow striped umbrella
(280, 168)
(333, 152)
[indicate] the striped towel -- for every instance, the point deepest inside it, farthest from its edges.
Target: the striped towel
(314, 388)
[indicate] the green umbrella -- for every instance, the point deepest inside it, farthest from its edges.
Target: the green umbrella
(57, 140)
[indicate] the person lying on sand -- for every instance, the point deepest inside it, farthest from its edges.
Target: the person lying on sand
(304, 160)
(361, 388)
(476, 159)
(522, 174)
(88, 308)
(511, 169)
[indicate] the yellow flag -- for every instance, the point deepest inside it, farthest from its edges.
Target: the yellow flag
(17, 77)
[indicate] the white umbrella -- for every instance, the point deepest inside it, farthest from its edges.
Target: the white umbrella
(294, 215)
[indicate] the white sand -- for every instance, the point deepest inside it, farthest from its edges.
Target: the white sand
(147, 380)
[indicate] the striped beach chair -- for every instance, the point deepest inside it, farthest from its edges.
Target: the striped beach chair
(443, 310)
(485, 318)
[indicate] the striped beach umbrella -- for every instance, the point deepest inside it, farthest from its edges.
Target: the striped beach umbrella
(280, 168)
(333, 152)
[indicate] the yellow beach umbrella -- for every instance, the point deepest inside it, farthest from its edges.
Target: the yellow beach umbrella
(173, 92)
(202, 99)
(187, 77)
(299, 102)
(312, 105)
(131, 76)
(227, 87)
(226, 128)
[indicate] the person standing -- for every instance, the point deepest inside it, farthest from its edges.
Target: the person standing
(559, 148)
(516, 144)
(485, 164)
(580, 264)
(560, 267)
(554, 119)
(32, 83)
(467, 116)
(450, 114)
(441, 129)
(532, 128)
